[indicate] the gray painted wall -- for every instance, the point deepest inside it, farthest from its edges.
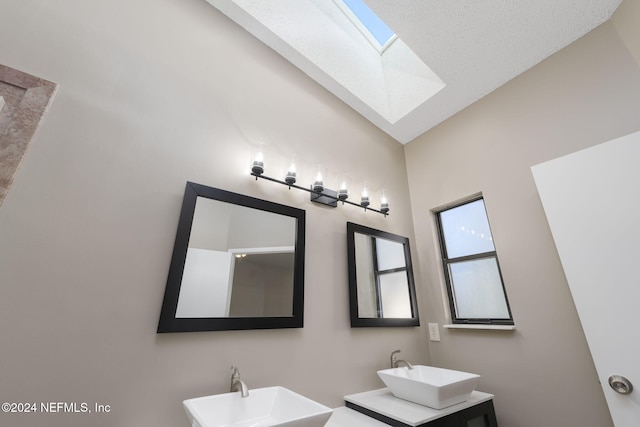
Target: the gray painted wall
(542, 373)
(155, 93)
(152, 94)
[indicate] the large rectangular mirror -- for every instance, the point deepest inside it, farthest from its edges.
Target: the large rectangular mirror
(238, 263)
(381, 286)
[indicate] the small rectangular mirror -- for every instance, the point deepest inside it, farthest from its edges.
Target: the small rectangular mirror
(381, 285)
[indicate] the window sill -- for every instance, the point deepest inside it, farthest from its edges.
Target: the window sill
(485, 327)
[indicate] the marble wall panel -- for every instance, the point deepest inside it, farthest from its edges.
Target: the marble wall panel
(24, 101)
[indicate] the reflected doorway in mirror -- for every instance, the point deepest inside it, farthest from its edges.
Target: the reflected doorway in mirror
(238, 263)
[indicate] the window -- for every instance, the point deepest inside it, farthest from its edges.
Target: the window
(368, 23)
(470, 263)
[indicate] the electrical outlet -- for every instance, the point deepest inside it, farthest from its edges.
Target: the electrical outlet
(434, 332)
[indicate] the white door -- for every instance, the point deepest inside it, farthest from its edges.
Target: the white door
(592, 202)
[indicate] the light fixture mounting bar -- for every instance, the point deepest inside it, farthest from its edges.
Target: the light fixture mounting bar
(326, 197)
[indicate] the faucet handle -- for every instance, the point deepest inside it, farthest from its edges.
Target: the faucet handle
(235, 373)
(393, 358)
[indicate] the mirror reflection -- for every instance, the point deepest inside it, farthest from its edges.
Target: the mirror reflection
(382, 291)
(237, 264)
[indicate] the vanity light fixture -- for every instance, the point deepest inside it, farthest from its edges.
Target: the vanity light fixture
(319, 193)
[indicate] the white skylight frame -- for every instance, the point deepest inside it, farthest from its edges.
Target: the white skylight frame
(318, 37)
(364, 29)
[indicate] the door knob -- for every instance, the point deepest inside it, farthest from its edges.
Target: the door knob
(620, 384)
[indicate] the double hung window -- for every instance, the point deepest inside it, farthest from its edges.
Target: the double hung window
(472, 273)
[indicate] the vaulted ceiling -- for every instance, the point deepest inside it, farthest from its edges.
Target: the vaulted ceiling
(472, 46)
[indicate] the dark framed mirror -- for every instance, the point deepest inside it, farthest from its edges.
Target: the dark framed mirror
(238, 263)
(381, 286)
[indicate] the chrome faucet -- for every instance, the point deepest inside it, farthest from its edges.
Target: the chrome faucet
(396, 362)
(237, 384)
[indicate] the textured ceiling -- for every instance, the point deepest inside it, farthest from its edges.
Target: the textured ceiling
(473, 46)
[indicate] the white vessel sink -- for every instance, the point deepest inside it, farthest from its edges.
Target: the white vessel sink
(429, 386)
(269, 406)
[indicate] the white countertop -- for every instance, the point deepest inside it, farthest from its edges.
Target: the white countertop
(385, 403)
(345, 417)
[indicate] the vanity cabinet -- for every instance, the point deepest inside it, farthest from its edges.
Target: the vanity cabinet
(480, 415)
(381, 405)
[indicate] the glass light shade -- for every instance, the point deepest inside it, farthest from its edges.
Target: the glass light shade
(384, 203)
(258, 164)
(257, 158)
(291, 174)
(364, 198)
(318, 184)
(343, 191)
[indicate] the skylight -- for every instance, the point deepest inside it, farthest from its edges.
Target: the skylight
(368, 23)
(383, 80)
